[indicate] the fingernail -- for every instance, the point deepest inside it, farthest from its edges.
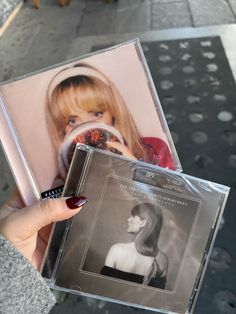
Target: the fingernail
(76, 201)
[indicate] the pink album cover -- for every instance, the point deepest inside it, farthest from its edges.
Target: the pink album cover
(105, 100)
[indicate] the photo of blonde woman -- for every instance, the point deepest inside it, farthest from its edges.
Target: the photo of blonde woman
(82, 94)
(105, 100)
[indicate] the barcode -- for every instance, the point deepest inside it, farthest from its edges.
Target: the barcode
(53, 193)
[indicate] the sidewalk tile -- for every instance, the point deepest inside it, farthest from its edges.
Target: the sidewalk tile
(232, 4)
(7, 8)
(211, 12)
(132, 16)
(38, 38)
(164, 1)
(98, 18)
(111, 18)
(170, 15)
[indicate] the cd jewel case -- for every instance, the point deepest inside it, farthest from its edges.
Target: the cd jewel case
(112, 86)
(144, 237)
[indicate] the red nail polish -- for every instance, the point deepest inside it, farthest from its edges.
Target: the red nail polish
(76, 201)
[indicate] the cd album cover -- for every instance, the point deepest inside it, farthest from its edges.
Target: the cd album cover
(43, 116)
(144, 237)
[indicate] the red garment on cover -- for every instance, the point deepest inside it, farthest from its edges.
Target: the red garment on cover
(158, 152)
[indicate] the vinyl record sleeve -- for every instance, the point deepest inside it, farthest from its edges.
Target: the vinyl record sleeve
(37, 111)
(100, 244)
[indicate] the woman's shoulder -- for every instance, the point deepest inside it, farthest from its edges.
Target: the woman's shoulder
(116, 253)
(121, 250)
(120, 247)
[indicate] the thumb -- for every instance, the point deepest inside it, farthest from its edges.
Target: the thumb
(24, 222)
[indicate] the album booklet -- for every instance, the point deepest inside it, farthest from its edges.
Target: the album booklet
(144, 238)
(105, 99)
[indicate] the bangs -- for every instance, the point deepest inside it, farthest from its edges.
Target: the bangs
(88, 95)
(80, 93)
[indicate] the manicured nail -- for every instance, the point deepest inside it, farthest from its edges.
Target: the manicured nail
(76, 201)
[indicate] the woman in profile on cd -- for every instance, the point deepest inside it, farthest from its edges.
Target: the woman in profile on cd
(82, 94)
(140, 261)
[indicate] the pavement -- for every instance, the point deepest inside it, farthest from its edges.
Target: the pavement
(41, 38)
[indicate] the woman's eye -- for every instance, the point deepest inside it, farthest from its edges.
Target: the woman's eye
(97, 114)
(72, 121)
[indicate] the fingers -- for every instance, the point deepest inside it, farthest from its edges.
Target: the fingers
(122, 148)
(25, 222)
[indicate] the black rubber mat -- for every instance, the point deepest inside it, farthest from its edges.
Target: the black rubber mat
(198, 95)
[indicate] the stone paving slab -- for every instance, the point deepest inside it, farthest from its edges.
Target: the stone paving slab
(16, 41)
(7, 8)
(211, 12)
(57, 37)
(170, 15)
(38, 38)
(232, 4)
(45, 35)
(97, 19)
(133, 16)
(122, 16)
(164, 1)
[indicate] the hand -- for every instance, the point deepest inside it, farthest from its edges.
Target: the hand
(28, 228)
(125, 151)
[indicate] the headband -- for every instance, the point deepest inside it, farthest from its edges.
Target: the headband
(72, 72)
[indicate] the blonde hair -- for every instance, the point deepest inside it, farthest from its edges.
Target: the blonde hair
(89, 92)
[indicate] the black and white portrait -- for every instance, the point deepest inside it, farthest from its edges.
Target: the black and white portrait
(140, 234)
(140, 260)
